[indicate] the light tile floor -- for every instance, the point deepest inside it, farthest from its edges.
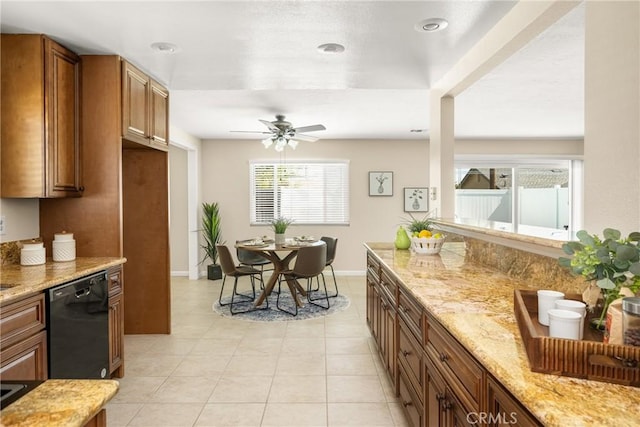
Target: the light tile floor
(218, 371)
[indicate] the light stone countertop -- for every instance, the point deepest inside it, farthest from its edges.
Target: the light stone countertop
(18, 281)
(59, 403)
(476, 305)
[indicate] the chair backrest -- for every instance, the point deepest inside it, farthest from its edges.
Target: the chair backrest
(332, 243)
(226, 260)
(310, 260)
(247, 257)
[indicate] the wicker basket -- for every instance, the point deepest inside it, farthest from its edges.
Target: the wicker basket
(427, 245)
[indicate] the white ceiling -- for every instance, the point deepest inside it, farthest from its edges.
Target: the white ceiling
(240, 61)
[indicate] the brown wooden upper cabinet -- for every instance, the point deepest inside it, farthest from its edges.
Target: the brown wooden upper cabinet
(145, 109)
(40, 121)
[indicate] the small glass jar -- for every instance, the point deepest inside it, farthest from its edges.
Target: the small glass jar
(631, 321)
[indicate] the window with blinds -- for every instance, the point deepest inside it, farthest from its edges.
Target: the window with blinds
(307, 192)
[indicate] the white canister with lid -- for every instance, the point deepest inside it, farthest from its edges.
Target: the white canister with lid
(64, 247)
(33, 253)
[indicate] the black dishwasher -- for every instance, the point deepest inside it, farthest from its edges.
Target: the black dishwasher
(78, 328)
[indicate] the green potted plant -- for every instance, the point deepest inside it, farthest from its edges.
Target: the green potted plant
(416, 225)
(611, 263)
(212, 237)
(279, 226)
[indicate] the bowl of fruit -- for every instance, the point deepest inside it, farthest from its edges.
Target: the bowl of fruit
(426, 242)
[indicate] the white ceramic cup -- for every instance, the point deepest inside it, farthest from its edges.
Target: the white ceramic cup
(573, 305)
(564, 324)
(546, 302)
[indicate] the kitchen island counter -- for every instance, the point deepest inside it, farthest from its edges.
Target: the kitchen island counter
(56, 403)
(17, 280)
(475, 304)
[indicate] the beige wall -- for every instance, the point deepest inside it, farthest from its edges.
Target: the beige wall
(178, 226)
(559, 148)
(225, 179)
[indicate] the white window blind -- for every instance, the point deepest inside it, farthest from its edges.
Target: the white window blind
(307, 192)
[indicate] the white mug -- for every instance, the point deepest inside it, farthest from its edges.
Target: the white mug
(546, 302)
(573, 305)
(564, 324)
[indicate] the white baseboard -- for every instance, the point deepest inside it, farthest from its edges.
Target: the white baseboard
(180, 273)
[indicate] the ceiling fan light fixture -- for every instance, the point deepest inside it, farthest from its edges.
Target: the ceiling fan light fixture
(267, 142)
(293, 143)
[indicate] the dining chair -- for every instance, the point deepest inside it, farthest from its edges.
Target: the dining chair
(252, 259)
(310, 262)
(332, 244)
(229, 268)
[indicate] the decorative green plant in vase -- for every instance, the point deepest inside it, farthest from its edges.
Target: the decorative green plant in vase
(612, 263)
(279, 226)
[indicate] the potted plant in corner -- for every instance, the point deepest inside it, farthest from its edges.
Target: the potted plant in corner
(279, 226)
(212, 237)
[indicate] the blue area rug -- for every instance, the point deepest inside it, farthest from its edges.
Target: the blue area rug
(272, 314)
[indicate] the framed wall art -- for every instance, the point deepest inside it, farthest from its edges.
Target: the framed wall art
(416, 199)
(380, 183)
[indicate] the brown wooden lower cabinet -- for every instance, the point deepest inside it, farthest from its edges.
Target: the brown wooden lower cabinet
(439, 383)
(23, 339)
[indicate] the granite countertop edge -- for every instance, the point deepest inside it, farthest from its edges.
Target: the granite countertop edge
(19, 281)
(60, 403)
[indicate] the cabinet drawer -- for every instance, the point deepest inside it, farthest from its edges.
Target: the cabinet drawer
(460, 369)
(411, 312)
(410, 404)
(115, 281)
(410, 355)
(26, 360)
(21, 319)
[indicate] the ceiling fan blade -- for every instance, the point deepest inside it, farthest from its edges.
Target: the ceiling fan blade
(250, 131)
(305, 138)
(310, 128)
(270, 125)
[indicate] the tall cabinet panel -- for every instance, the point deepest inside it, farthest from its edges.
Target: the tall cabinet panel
(108, 221)
(40, 118)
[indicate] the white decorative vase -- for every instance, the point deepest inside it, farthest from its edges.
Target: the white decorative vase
(280, 239)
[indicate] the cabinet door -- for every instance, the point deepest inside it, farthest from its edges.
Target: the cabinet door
(116, 322)
(504, 410)
(63, 157)
(159, 115)
(389, 340)
(26, 360)
(434, 396)
(116, 333)
(135, 104)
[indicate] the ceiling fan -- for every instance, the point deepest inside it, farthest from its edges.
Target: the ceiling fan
(282, 133)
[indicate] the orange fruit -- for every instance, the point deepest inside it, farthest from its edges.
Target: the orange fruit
(424, 233)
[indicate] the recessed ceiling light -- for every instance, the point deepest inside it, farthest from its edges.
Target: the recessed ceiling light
(431, 25)
(164, 47)
(419, 130)
(330, 48)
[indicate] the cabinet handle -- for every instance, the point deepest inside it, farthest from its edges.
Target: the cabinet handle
(405, 403)
(81, 188)
(443, 357)
(405, 353)
(446, 405)
(439, 397)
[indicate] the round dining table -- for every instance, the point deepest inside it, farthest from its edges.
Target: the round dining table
(280, 256)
